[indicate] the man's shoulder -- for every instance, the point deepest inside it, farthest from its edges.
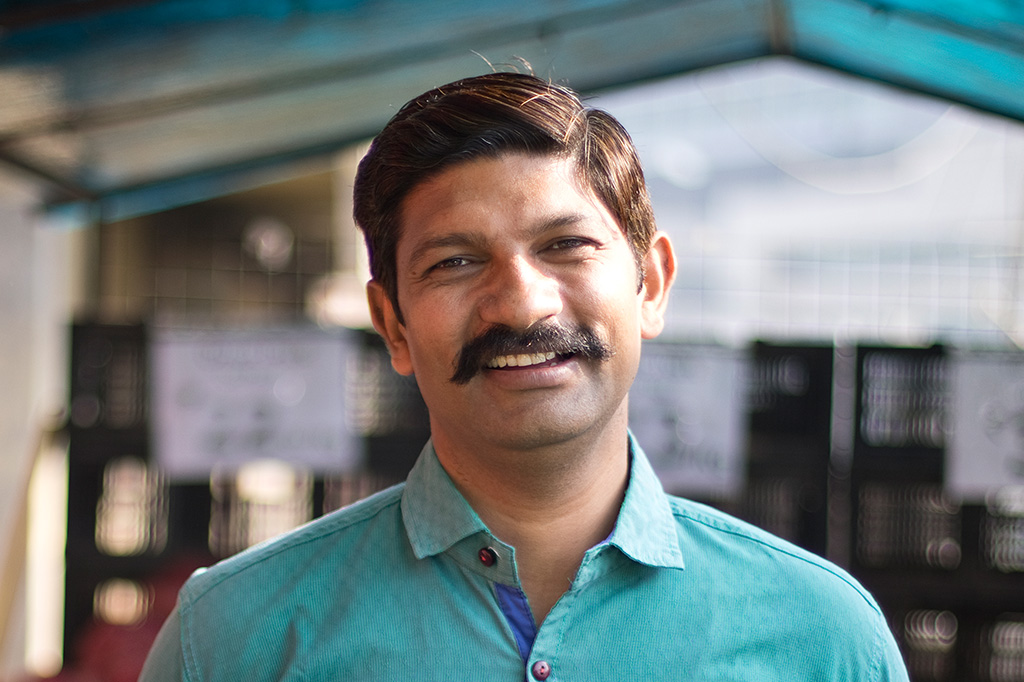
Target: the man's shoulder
(323, 544)
(723, 539)
(284, 589)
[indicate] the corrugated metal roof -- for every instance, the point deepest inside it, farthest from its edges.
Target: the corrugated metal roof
(121, 107)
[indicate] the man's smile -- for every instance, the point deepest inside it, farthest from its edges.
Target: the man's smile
(521, 360)
(501, 347)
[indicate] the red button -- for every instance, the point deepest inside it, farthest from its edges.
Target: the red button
(541, 670)
(488, 557)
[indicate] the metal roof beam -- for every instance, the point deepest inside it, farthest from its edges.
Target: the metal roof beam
(62, 189)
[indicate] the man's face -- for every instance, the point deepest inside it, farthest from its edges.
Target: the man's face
(522, 320)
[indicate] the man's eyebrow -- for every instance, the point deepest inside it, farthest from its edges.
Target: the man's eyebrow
(562, 220)
(468, 239)
(445, 241)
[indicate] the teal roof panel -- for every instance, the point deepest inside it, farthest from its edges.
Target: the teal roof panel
(131, 106)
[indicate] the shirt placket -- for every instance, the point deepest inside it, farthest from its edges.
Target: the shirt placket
(545, 658)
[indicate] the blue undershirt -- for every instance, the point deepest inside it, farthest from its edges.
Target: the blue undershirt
(519, 616)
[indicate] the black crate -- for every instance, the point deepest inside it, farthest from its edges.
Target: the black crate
(790, 411)
(131, 531)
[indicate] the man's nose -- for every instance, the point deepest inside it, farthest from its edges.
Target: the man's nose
(519, 294)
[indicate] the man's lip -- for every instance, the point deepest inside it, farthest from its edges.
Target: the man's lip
(521, 359)
(548, 374)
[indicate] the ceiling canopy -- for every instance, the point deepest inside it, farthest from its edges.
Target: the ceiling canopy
(120, 108)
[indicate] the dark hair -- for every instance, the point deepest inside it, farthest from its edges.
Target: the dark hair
(487, 116)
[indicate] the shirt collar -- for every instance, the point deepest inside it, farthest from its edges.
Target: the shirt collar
(646, 528)
(437, 516)
(435, 513)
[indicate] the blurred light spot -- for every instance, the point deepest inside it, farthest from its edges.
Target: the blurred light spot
(929, 639)
(1003, 530)
(261, 500)
(930, 630)
(131, 515)
(121, 602)
(1006, 642)
(270, 242)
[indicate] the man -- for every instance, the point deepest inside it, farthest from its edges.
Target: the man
(516, 268)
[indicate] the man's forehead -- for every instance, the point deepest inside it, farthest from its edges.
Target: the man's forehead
(447, 189)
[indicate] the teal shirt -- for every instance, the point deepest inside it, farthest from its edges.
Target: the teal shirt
(395, 588)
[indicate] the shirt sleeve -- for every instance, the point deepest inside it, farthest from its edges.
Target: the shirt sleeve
(892, 667)
(165, 662)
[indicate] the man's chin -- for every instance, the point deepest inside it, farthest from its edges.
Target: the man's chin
(538, 425)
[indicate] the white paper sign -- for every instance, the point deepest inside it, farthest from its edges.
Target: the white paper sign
(985, 451)
(686, 410)
(225, 397)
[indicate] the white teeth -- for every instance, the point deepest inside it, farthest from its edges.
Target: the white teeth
(521, 360)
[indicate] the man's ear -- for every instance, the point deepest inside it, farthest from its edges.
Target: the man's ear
(659, 273)
(385, 321)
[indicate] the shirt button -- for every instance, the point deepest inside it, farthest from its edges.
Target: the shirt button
(540, 670)
(488, 557)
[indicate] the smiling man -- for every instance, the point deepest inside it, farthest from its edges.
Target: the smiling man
(516, 269)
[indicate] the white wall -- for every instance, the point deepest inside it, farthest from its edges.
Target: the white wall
(39, 275)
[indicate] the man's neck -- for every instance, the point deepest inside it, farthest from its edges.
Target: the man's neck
(551, 504)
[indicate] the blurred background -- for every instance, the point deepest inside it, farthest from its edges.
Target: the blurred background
(185, 350)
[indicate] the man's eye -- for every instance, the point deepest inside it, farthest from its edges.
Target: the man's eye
(569, 243)
(450, 263)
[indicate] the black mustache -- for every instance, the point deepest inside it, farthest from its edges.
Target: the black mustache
(502, 340)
